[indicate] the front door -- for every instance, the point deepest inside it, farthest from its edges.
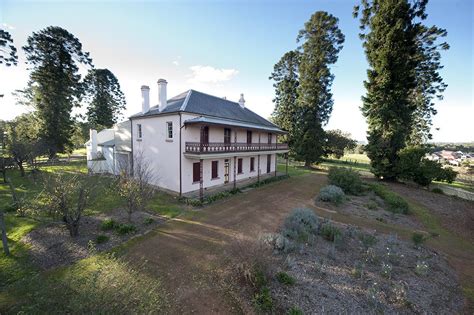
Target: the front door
(226, 171)
(269, 162)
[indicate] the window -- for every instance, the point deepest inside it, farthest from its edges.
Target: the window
(214, 173)
(196, 172)
(239, 166)
(205, 135)
(169, 129)
(269, 138)
(269, 162)
(252, 164)
(227, 135)
(139, 128)
(249, 137)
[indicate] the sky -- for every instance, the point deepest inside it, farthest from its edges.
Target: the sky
(225, 48)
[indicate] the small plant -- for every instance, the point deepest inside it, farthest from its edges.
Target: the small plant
(123, 229)
(101, 239)
(331, 193)
(421, 268)
(386, 270)
(437, 190)
(148, 221)
(417, 238)
(368, 240)
(330, 233)
(371, 256)
(371, 205)
(285, 278)
(301, 225)
(346, 178)
(358, 270)
(295, 311)
(108, 224)
(279, 242)
(263, 300)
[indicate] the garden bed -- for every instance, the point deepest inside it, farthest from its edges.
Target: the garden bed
(51, 245)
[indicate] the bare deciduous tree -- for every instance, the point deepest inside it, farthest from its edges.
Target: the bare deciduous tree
(67, 196)
(133, 184)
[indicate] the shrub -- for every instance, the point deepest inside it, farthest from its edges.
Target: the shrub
(371, 205)
(437, 190)
(300, 225)
(295, 311)
(346, 178)
(101, 239)
(285, 278)
(108, 224)
(123, 229)
(279, 242)
(331, 193)
(421, 268)
(367, 239)
(148, 221)
(330, 232)
(395, 203)
(263, 300)
(417, 238)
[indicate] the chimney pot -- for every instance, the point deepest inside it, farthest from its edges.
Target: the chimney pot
(242, 101)
(162, 99)
(93, 139)
(145, 99)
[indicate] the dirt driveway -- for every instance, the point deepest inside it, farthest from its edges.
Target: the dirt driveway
(187, 253)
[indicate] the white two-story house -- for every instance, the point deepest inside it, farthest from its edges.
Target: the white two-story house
(195, 141)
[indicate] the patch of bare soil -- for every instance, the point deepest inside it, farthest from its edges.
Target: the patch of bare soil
(455, 214)
(51, 245)
(390, 276)
(372, 207)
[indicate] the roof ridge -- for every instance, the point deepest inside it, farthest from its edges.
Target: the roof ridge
(219, 98)
(186, 100)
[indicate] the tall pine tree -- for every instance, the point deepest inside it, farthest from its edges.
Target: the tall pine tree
(106, 100)
(286, 78)
(321, 40)
(54, 55)
(402, 78)
(8, 54)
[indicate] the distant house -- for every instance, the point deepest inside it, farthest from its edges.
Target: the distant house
(109, 151)
(195, 141)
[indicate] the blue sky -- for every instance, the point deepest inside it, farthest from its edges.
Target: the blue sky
(229, 47)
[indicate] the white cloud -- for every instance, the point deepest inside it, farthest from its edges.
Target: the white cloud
(176, 62)
(8, 26)
(209, 74)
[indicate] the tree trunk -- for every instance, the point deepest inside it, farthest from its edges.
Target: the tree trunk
(4, 234)
(22, 169)
(16, 202)
(73, 228)
(307, 164)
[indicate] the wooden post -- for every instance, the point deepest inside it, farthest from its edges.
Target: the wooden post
(4, 234)
(258, 168)
(201, 188)
(286, 156)
(276, 164)
(235, 173)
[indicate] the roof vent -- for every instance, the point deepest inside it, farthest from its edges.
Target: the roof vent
(242, 101)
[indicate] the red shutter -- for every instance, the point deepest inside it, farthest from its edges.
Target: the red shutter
(196, 172)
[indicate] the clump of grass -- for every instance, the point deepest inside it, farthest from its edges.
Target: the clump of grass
(295, 311)
(371, 205)
(421, 268)
(346, 178)
(368, 240)
(329, 232)
(395, 203)
(108, 224)
(285, 278)
(437, 190)
(101, 239)
(331, 193)
(123, 229)
(148, 221)
(358, 270)
(417, 238)
(263, 300)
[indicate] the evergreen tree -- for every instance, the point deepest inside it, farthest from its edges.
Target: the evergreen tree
(54, 88)
(285, 76)
(402, 79)
(106, 100)
(8, 54)
(321, 40)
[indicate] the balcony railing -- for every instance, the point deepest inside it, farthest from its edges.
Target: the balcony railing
(216, 147)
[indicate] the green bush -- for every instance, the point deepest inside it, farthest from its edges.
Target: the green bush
(123, 229)
(331, 193)
(285, 278)
(101, 239)
(301, 225)
(368, 240)
(371, 205)
(418, 238)
(329, 232)
(108, 224)
(148, 221)
(346, 178)
(414, 166)
(395, 203)
(263, 300)
(295, 311)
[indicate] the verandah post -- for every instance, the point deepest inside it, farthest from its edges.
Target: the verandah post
(201, 188)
